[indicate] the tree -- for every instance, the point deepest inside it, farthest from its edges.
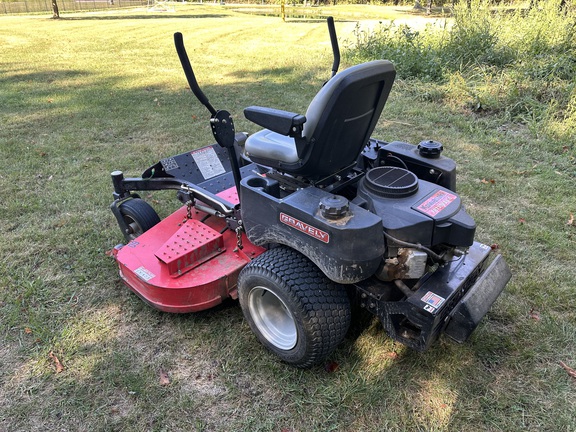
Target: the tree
(55, 10)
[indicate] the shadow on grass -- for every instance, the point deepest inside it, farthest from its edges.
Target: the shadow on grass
(142, 17)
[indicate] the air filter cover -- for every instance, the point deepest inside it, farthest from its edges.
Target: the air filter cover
(391, 182)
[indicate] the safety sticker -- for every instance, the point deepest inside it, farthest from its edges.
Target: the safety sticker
(312, 231)
(208, 163)
(144, 274)
(436, 203)
(169, 164)
(433, 300)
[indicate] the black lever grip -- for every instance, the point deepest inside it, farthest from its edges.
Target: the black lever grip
(179, 43)
(334, 41)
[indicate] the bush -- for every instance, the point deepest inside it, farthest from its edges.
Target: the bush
(416, 54)
(518, 63)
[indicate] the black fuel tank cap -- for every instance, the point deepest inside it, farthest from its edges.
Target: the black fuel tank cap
(334, 207)
(430, 149)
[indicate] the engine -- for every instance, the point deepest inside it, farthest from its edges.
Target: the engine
(421, 220)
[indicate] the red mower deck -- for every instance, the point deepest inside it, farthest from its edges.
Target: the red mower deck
(185, 265)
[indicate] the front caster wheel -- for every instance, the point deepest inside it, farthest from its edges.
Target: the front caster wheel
(139, 217)
(292, 307)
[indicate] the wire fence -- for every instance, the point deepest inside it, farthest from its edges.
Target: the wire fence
(35, 6)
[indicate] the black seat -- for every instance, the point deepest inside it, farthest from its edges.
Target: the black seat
(335, 129)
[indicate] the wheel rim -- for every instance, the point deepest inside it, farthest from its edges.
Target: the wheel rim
(272, 317)
(134, 227)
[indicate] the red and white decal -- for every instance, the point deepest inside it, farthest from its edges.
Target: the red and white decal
(312, 231)
(436, 203)
(433, 300)
(144, 274)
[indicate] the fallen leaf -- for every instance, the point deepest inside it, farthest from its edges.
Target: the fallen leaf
(568, 369)
(491, 181)
(571, 220)
(57, 364)
(164, 378)
(331, 367)
(534, 314)
(28, 330)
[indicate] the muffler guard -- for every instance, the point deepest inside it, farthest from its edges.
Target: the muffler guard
(468, 313)
(453, 299)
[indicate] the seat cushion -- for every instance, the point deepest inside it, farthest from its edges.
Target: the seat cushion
(270, 145)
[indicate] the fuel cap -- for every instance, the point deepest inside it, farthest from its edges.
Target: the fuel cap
(430, 149)
(334, 207)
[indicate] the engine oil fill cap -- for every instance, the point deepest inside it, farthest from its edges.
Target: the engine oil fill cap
(391, 182)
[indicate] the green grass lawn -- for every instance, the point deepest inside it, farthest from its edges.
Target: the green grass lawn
(94, 92)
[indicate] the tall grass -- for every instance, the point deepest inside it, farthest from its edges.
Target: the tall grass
(518, 63)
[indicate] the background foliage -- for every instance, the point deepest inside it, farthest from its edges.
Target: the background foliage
(519, 62)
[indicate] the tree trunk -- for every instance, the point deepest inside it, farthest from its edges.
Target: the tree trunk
(55, 9)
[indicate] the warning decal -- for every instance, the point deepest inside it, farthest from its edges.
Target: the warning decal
(144, 274)
(436, 203)
(208, 163)
(169, 164)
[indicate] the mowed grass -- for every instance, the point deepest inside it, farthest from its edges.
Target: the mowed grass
(94, 92)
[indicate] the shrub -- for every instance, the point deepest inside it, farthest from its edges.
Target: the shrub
(519, 63)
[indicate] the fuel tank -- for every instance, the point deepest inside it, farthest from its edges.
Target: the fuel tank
(414, 210)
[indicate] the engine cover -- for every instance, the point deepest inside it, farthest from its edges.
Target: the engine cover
(414, 210)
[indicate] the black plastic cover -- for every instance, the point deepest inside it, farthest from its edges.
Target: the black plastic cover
(440, 170)
(347, 249)
(432, 215)
(475, 304)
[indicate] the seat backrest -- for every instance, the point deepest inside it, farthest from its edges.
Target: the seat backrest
(341, 118)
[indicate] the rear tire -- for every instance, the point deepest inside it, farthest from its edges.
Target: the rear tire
(292, 307)
(139, 216)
